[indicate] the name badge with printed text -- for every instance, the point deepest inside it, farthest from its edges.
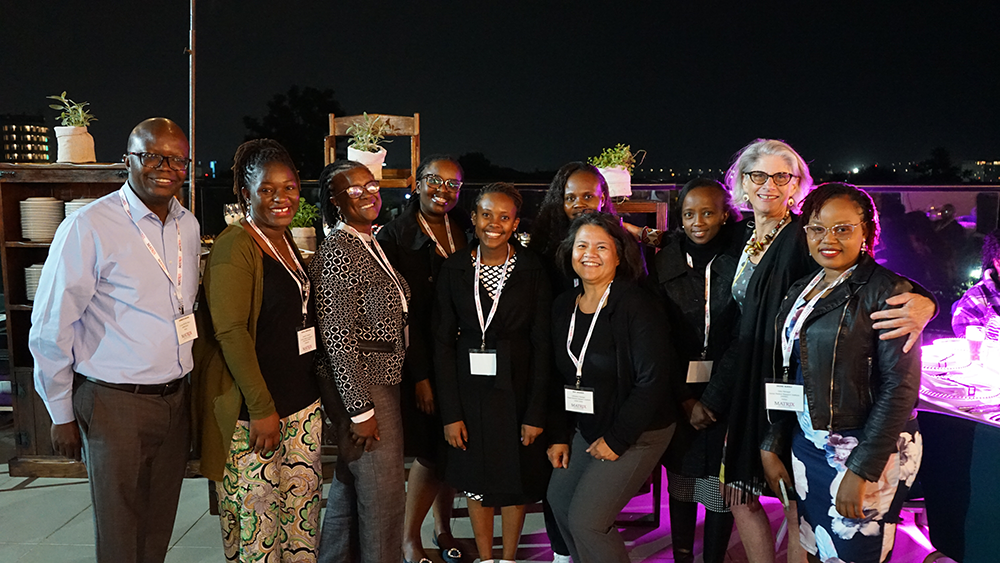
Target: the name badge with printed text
(784, 397)
(307, 340)
(186, 328)
(483, 362)
(699, 372)
(580, 400)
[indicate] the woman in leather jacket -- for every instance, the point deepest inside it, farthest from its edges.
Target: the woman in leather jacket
(841, 400)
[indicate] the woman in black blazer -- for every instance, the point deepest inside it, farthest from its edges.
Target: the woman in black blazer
(492, 363)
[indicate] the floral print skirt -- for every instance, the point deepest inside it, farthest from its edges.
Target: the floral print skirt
(818, 459)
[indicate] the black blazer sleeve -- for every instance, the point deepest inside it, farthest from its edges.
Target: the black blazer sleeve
(445, 328)
(541, 344)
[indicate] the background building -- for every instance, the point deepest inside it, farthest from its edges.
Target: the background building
(24, 138)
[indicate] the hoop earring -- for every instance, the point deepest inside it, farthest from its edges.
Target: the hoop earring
(746, 197)
(791, 202)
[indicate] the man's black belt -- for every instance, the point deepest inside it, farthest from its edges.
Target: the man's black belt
(159, 389)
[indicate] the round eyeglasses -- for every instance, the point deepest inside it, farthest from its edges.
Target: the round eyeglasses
(437, 182)
(355, 192)
(760, 178)
(153, 160)
(843, 232)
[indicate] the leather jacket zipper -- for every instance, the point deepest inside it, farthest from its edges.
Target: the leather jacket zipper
(833, 364)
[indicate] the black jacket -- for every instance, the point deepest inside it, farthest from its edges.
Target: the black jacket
(695, 453)
(852, 379)
(644, 359)
(413, 253)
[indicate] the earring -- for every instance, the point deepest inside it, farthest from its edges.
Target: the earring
(746, 197)
(791, 202)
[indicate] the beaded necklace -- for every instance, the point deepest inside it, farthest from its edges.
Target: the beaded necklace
(755, 247)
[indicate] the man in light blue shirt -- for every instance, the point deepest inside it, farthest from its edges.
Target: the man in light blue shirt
(111, 339)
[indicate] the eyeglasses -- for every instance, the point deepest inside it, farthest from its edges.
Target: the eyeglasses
(817, 233)
(437, 182)
(760, 178)
(355, 192)
(153, 160)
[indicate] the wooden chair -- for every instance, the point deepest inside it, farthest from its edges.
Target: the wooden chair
(402, 126)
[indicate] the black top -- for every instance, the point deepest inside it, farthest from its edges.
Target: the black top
(288, 375)
(414, 254)
(645, 382)
(600, 372)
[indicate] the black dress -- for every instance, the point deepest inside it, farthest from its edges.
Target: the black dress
(414, 255)
(495, 464)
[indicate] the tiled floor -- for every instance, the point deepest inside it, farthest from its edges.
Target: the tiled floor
(50, 520)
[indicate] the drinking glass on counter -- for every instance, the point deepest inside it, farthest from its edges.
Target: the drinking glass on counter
(975, 335)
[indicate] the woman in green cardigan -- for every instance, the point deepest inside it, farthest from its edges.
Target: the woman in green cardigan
(259, 402)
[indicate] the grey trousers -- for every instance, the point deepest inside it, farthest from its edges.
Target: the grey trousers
(364, 510)
(587, 496)
(136, 449)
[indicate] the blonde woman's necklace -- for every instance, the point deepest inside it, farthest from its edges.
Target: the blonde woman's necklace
(755, 247)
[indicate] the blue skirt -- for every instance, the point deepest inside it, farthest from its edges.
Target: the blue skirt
(818, 459)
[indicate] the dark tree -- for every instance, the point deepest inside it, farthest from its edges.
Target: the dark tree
(939, 169)
(299, 120)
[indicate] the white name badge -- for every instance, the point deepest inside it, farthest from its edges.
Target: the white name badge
(483, 362)
(783, 397)
(307, 340)
(580, 400)
(699, 372)
(186, 328)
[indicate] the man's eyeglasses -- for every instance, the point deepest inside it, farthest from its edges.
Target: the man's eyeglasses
(760, 178)
(355, 192)
(436, 182)
(153, 160)
(817, 233)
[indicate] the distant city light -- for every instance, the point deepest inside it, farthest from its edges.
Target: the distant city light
(976, 273)
(854, 170)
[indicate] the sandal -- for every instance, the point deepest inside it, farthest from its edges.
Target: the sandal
(450, 555)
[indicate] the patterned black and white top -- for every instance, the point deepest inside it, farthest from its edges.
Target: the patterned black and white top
(490, 275)
(358, 311)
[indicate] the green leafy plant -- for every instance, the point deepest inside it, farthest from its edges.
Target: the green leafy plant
(306, 215)
(73, 114)
(368, 134)
(619, 156)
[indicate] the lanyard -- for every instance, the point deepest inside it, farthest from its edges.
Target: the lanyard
(578, 362)
(708, 293)
(156, 255)
(496, 299)
(788, 340)
(299, 275)
(382, 260)
(430, 233)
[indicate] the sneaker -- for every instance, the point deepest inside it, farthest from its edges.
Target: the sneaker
(556, 558)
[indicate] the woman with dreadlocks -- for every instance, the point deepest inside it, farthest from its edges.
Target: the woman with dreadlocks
(259, 399)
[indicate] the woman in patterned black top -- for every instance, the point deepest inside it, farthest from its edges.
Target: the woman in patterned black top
(361, 304)
(492, 365)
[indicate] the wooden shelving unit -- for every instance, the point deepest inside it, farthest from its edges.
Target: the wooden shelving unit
(17, 183)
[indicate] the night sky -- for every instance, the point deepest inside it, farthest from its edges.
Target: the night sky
(535, 84)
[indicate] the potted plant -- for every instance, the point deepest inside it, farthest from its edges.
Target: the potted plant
(616, 165)
(73, 141)
(303, 226)
(364, 146)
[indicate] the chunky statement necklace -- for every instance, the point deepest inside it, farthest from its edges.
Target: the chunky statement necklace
(755, 247)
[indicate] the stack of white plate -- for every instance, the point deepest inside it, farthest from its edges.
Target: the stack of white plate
(31, 276)
(40, 216)
(76, 204)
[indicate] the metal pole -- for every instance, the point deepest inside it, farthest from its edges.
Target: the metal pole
(191, 61)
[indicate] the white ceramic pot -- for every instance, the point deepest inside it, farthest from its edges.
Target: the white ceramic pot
(373, 160)
(305, 238)
(74, 145)
(619, 181)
